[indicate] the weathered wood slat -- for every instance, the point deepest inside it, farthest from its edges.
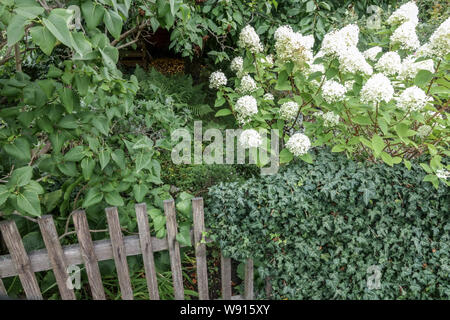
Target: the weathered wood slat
(225, 270)
(174, 249)
(20, 259)
(103, 251)
(200, 248)
(88, 254)
(248, 280)
(2, 288)
(147, 250)
(56, 256)
(120, 257)
(268, 287)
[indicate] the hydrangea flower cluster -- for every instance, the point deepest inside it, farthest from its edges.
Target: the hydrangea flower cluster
(246, 107)
(377, 89)
(237, 66)
(289, 110)
(250, 139)
(408, 12)
(353, 61)
(292, 46)
(389, 63)
(299, 144)
(424, 131)
(413, 99)
(334, 42)
(371, 54)
(409, 67)
(406, 36)
(268, 97)
(440, 39)
(442, 174)
(249, 39)
(217, 79)
(248, 85)
(333, 91)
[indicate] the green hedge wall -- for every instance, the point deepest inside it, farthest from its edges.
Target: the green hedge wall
(315, 229)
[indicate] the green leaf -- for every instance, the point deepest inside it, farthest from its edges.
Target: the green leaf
(403, 130)
(118, 157)
(93, 196)
(377, 144)
(74, 154)
(283, 82)
(386, 157)
(184, 236)
(114, 199)
(307, 158)
(113, 23)
(28, 201)
(101, 124)
(43, 38)
(310, 6)
(139, 192)
(407, 164)
(92, 13)
(51, 199)
(338, 148)
(4, 194)
(68, 99)
(223, 112)
(185, 207)
(142, 160)
(19, 149)
(104, 157)
(57, 25)
(20, 177)
(423, 77)
(34, 186)
(286, 156)
(16, 29)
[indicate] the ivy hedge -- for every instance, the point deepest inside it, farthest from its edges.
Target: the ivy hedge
(316, 230)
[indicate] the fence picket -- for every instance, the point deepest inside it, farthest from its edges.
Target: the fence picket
(2, 288)
(120, 257)
(225, 270)
(174, 249)
(88, 255)
(248, 285)
(147, 250)
(200, 248)
(56, 256)
(20, 259)
(268, 288)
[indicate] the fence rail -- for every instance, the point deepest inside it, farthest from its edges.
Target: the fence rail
(57, 258)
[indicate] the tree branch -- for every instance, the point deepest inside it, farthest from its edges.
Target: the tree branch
(131, 31)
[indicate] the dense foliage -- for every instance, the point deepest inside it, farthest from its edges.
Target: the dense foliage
(316, 229)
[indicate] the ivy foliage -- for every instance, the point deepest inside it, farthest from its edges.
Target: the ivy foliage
(316, 230)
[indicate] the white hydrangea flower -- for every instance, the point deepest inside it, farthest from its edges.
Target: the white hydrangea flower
(268, 97)
(237, 65)
(316, 68)
(336, 41)
(330, 119)
(246, 107)
(352, 60)
(413, 98)
(371, 54)
(406, 13)
(249, 39)
(377, 89)
(217, 79)
(389, 63)
(349, 84)
(424, 131)
(268, 60)
(406, 36)
(333, 91)
(248, 85)
(409, 67)
(424, 51)
(250, 139)
(292, 46)
(299, 144)
(440, 39)
(442, 174)
(289, 110)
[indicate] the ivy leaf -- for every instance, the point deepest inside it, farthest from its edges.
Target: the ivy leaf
(43, 38)
(28, 201)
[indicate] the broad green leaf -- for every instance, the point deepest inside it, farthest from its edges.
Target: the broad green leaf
(223, 112)
(139, 192)
(51, 199)
(113, 23)
(43, 38)
(114, 199)
(19, 149)
(104, 156)
(184, 236)
(386, 157)
(74, 154)
(423, 77)
(16, 29)
(92, 13)
(338, 148)
(68, 99)
(57, 25)
(307, 158)
(185, 207)
(28, 201)
(101, 124)
(20, 177)
(34, 186)
(93, 196)
(118, 157)
(377, 144)
(286, 156)
(4, 194)
(142, 161)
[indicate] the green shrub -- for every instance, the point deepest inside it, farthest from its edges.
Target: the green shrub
(315, 229)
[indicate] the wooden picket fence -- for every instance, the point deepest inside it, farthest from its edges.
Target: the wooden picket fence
(118, 247)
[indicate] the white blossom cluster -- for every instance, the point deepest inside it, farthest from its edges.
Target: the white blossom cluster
(406, 36)
(250, 138)
(440, 39)
(248, 85)
(330, 119)
(424, 131)
(424, 51)
(237, 65)
(333, 91)
(349, 84)
(372, 53)
(334, 42)
(249, 39)
(217, 79)
(442, 174)
(246, 107)
(389, 63)
(413, 99)
(409, 67)
(406, 13)
(268, 97)
(377, 89)
(268, 60)
(299, 144)
(293, 46)
(289, 110)
(352, 60)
